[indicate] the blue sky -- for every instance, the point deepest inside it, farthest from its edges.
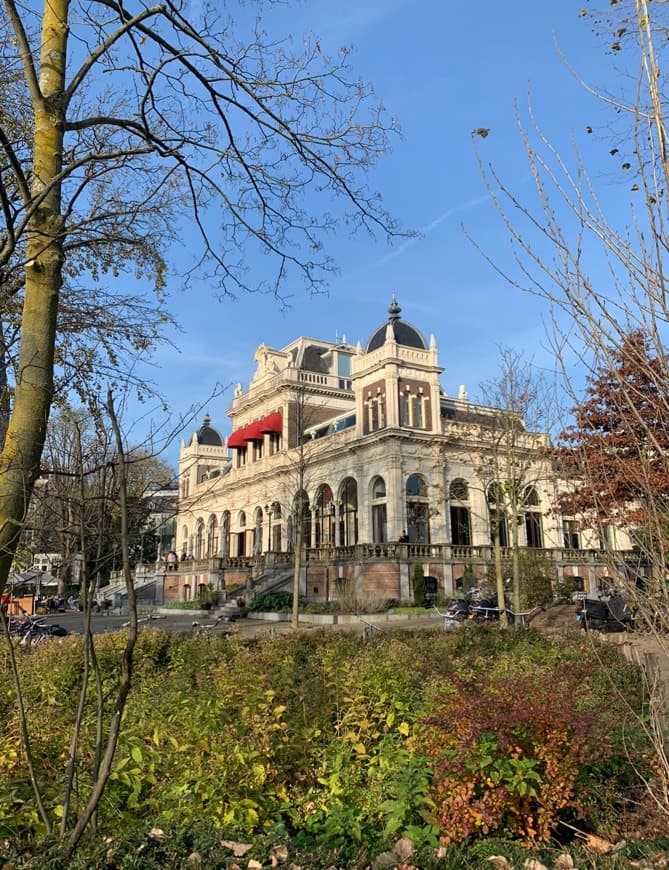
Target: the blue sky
(443, 68)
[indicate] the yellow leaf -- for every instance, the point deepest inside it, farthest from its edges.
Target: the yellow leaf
(403, 728)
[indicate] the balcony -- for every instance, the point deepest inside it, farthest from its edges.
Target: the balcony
(328, 554)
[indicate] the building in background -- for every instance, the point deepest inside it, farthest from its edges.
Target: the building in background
(380, 466)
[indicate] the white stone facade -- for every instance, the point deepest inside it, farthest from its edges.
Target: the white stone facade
(378, 450)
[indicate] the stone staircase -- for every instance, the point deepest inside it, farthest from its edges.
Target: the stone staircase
(274, 582)
(116, 590)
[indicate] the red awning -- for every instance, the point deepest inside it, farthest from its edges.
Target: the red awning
(254, 432)
(237, 438)
(272, 423)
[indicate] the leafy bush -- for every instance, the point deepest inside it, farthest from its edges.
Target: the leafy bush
(335, 745)
(276, 602)
(530, 738)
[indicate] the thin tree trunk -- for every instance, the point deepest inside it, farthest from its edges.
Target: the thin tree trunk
(125, 681)
(74, 746)
(515, 559)
(297, 569)
(499, 574)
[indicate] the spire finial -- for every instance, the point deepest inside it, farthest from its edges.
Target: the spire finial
(394, 310)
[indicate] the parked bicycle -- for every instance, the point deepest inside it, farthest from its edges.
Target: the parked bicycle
(31, 631)
(204, 629)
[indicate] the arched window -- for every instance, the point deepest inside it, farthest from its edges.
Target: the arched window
(458, 494)
(379, 511)
(533, 524)
(184, 544)
(325, 518)
(416, 486)
(348, 518)
(458, 490)
(199, 539)
(212, 536)
(378, 488)
(531, 497)
(496, 509)
(418, 513)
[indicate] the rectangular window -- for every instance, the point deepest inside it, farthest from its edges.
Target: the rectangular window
(343, 365)
(257, 450)
(572, 534)
(460, 529)
(533, 530)
(418, 413)
(374, 408)
(499, 526)
(404, 409)
(379, 524)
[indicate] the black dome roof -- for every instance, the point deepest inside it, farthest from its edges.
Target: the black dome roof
(404, 333)
(208, 436)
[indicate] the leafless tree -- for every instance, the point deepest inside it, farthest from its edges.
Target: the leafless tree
(602, 267)
(513, 462)
(140, 121)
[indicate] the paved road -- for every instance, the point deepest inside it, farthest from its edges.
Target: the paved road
(182, 621)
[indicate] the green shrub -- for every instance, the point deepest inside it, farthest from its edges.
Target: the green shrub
(277, 602)
(336, 745)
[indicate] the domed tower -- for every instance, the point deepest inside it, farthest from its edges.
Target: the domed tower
(206, 435)
(396, 378)
(202, 457)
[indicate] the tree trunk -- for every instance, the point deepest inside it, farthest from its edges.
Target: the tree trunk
(125, 678)
(24, 440)
(515, 560)
(297, 567)
(499, 577)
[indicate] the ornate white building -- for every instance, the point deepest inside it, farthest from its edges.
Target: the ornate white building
(392, 471)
